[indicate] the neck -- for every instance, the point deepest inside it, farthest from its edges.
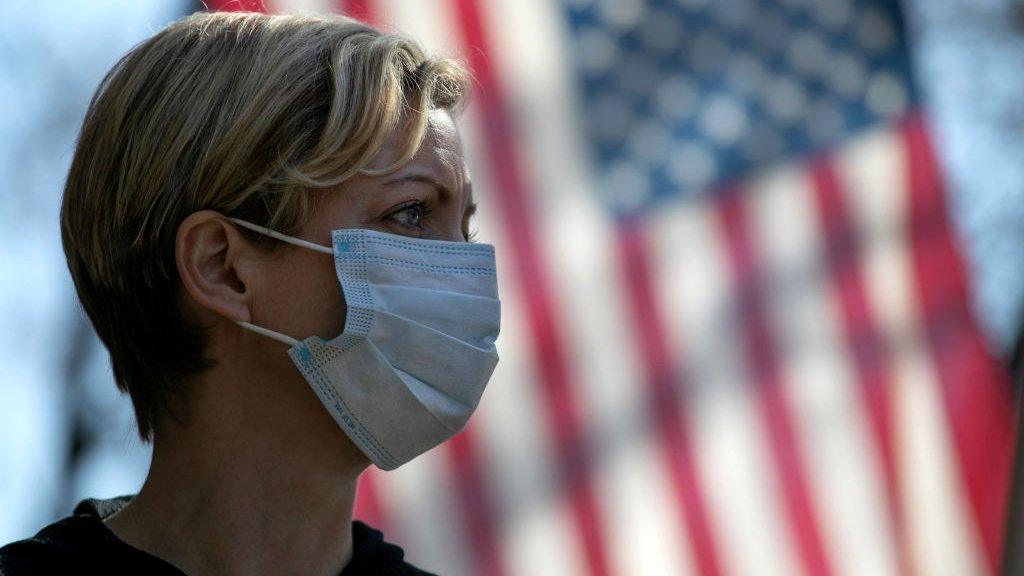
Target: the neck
(225, 500)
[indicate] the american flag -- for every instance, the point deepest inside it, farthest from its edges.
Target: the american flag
(736, 333)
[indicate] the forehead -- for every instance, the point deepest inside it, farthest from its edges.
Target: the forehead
(438, 161)
(440, 153)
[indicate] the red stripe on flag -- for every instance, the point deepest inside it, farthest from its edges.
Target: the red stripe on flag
(475, 503)
(665, 400)
(527, 257)
(363, 10)
(975, 390)
(762, 357)
(870, 358)
(368, 506)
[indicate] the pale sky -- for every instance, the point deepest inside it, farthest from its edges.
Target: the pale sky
(52, 56)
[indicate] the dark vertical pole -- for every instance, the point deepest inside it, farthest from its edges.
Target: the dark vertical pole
(1013, 545)
(80, 433)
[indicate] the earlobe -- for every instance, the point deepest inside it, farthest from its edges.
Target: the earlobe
(209, 255)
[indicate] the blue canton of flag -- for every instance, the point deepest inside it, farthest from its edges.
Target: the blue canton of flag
(682, 96)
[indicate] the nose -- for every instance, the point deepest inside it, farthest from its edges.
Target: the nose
(450, 231)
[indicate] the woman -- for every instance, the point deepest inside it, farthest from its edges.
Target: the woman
(267, 219)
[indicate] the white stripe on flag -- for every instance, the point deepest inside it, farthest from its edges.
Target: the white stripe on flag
(835, 443)
(733, 458)
(536, 532)
(642, 528)
(430, 23)
(301, 6)
(535, 528)
(873, 170)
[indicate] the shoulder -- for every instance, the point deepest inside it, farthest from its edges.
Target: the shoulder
(62, 545)
(76, 543)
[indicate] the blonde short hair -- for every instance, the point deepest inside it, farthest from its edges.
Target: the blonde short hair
(247, 114)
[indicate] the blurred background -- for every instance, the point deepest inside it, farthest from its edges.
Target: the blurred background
(762, 268)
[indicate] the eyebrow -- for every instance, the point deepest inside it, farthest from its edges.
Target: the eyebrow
(444, 189)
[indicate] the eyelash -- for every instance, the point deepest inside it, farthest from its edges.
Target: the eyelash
(424, 210)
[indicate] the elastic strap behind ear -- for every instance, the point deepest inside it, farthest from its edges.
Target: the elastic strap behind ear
(269, 333)
(282, 237)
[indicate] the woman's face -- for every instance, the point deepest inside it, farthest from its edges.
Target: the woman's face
(429, 197)
(294, 290)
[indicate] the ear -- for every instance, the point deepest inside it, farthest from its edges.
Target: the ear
(213, 264)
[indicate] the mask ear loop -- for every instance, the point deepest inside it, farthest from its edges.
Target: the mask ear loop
(283, 338)
(282, 237)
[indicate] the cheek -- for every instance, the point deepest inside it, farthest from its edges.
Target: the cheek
(306, 298)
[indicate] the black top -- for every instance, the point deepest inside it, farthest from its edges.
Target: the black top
(82, 544)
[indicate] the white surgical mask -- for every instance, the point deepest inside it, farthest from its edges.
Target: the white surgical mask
(417, 349)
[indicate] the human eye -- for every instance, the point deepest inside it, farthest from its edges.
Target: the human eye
(471, 236)
(410, 215)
